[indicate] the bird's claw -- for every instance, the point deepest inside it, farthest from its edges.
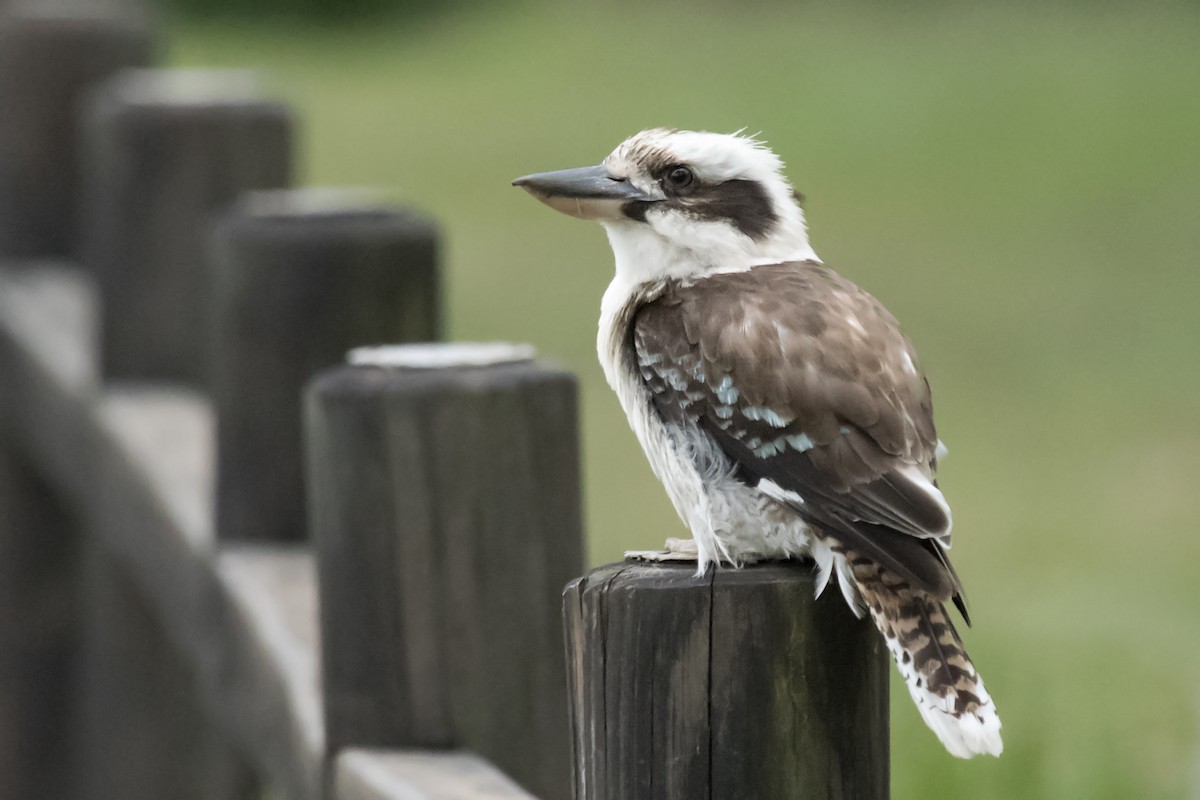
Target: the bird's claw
(673, 550)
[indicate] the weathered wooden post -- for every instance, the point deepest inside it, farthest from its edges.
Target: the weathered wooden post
(51, 55)
(165, 150)
(301, 277)
(162, 152)
(40, 609)
(144, 731)
(444, 493)
(735, 684)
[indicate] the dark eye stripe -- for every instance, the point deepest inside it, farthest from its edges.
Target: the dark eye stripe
(744, 203)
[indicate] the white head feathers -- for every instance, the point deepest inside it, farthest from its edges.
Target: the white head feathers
(719, 203)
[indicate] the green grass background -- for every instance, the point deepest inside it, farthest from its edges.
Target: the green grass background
(1020, 185)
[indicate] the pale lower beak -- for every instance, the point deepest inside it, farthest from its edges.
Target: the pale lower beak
(586, 192)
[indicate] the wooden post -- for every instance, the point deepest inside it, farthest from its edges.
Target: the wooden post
(145, 734)
(165, 150)
(735, 684)
(301, 278)
(143, 742)
(40, 609)
(444, 494)
(50, 56)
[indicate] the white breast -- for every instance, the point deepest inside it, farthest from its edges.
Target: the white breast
(730, 521)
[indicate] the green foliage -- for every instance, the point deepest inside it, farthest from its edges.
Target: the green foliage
(1019, 185)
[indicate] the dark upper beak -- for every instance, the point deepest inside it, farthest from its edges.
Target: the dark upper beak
(586, 192)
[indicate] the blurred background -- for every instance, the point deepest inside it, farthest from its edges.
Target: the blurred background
(1019, 184)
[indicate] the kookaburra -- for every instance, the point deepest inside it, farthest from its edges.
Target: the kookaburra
(778, 403)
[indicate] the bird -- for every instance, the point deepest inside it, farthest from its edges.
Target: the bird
(780, 405)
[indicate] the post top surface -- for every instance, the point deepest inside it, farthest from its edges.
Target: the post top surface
(317, 201)
(639, 574)
(189, 87)
(69, 11)
(441, 356)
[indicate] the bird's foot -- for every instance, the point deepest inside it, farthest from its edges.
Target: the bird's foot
(673, 550)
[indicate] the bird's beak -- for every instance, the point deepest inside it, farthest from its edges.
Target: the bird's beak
(586, 192)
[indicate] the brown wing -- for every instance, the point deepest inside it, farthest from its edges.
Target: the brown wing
(806, 381)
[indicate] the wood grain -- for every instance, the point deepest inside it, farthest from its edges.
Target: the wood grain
(735, 684)
(445, 508)
(165, 151)
(49, 61)
(296, 287)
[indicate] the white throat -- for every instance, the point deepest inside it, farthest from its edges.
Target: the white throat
(672, 246)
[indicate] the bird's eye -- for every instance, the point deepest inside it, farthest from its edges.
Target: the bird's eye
(679, 176)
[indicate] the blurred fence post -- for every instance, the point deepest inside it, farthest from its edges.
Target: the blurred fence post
(163, 151)
(302, 277)
(40, 609)
(732, 684)
(444, 495)
(145, 735)
(166, 150)
(51, 55)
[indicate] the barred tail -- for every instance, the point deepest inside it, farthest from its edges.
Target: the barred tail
(940, 676)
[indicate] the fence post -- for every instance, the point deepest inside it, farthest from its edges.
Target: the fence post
(301, 277)
(165, 150)
(728, 685)
(40, 610)
(145, 732)
(444, 494)
(50, 56)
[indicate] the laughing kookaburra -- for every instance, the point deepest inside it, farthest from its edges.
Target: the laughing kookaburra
(779, 404)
